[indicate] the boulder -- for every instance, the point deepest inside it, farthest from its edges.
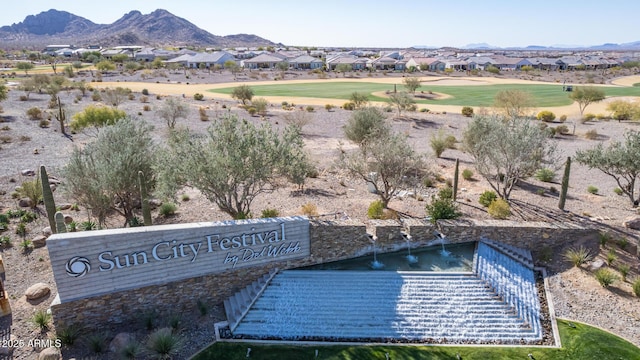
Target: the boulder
(154, 203)
(47, 231)
(120, 341)
(65, 206)
(632, 222)
(39, 241)
(37, 291)
(25, 202)
(28, 172)
(596, 264)
(50, 354)
(68, 219)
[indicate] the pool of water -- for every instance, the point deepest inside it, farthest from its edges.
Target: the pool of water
(459, 257)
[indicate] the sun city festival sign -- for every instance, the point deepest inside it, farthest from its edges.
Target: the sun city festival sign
(87, 264)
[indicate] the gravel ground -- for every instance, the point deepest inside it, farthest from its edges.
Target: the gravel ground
(575, 292)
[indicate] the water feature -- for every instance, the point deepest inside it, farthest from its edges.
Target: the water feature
(442, 238)
(411, 259)
(375, 264)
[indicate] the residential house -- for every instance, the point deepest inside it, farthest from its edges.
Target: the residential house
(480, 62)
(202, 60)
(431, 63)
(544, 63)
(263, 61)
(306, 62)
(356, 63)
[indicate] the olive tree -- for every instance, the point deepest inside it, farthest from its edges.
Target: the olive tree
(364, 124)
(618, 160)
(232, 164)
(243, 93)
(103, 175)
(383, 161)
(513, 103)
(172, 110)
(507, 151)
(585, 95)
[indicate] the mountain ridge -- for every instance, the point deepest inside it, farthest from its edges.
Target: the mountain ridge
(158, 28)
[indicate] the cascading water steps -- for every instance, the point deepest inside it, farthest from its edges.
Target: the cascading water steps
(497, 302)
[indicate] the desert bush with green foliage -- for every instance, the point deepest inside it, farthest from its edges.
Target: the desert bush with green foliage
(624, 271)
(349, 106)
(168, 209)
(376, 210)
(591, 134)
(467, 174)
(442, 207)
(467, 111)
(41, 319)
(636, 286)
(487, 197)
(577, 256)
(35, 113)
(546, 116)
(438, 143)
(163, 344)
(562, 118)
(618, 191)
(545, 175)
(309, 209)
(592, 190)
(611, 257)
(605, 277)
(499, 209)
(198, 97)
(562, 129)
(269, 213)
(587, 117)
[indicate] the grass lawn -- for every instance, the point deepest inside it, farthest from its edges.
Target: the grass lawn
(580, 342)
(477, 95)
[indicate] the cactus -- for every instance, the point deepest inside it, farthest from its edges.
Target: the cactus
(61, 227)
(565, 184)
(146, 210)
(61, 115)
(455, 180)
(47, 197)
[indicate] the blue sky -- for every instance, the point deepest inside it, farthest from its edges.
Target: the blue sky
(362, 23)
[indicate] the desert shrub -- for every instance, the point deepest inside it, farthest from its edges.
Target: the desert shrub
(44, 123)
(446, 192)
(592, 189)
(618, 191)
(492, 69)
(349, 106)
(328, 107)
(442, 208)
(587, 117)
(198, 97)
(97, 343)
(623, 243)
(487, 197)
(591, 134)
(450, 141)
(95, 96)
(467, 111)
(636, 286)
(41, 319)
(611, 257)
(32, 189)
(146, 108)
(603, 238)
(88, 225)
(605, 277)
(23, 98)
(131, 350)
(577, 256)
(310, 108)
(145, 92)
(163, 343)
(438, 143)
(269, 213)
(144, 99)
(5, 241)
(168, 209)
(499, 209)
(545, 175)
(309, 209)
(563, 118)
(376, 210)
(252, 110)
(427, 182)
(34, 113)
(562, 129)
(203, 114)
(624, 271)
(68, 334)
(467, 174)
(546, 116)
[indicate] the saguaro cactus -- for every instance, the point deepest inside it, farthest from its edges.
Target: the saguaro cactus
(565, 184)
(61, 227)
(47, 197)
(455, 180)
(61, 115)
(146, 209)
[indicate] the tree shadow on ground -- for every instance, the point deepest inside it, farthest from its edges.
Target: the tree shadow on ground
(313, 192)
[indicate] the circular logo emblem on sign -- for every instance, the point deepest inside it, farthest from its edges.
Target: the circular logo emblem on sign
(78, 266)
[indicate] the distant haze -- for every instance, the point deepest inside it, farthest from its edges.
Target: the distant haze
(361, 23)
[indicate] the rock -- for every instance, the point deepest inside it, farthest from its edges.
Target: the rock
(596, 264)
(154, 203)
(25, 202)
(68, 219)
(36, 151)
(39, 241)
(632, 222)
(53, 187)
(65, 206)
(37, 291)
(54, 180)
(120, 341)
(47, 231)
(28, 172)
(50, 354)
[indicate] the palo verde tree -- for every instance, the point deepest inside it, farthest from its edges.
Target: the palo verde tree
(506, 151)
(231, 165)
(411, 83)
(359, 99)
(243, 93)
(513, 103)
(103, 175)
(24, 66)
(402, 101)
(385, 161)
(96, 116)
(585, 95)
(172, 110)
(618, 160)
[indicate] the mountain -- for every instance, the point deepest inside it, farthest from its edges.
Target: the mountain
(134, 28)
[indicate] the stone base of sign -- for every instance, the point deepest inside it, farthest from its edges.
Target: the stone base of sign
(5, 307)
(329, 241)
